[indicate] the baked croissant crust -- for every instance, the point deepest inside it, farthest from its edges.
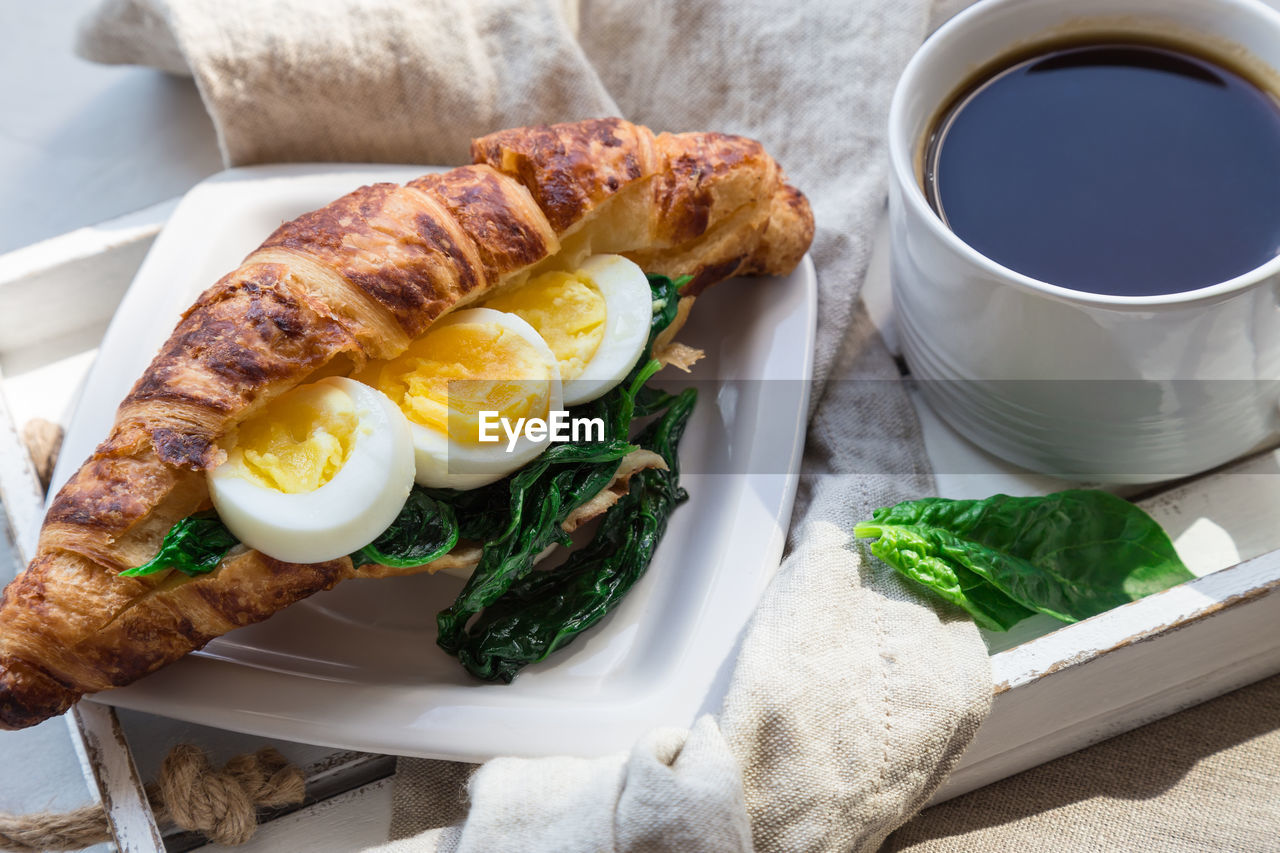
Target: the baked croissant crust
(356, 280)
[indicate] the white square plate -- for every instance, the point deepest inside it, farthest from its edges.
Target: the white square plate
(358, 667)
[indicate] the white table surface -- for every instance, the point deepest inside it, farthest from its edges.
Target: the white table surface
(79, 142)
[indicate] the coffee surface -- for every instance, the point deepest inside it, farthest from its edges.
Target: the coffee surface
(1121, 169)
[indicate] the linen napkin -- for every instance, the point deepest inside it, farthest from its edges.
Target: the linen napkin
(852, 697)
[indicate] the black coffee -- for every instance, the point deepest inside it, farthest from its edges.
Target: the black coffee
(1122, 169)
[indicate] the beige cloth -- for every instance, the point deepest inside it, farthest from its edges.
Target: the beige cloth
(1207, 778)
(851, 699)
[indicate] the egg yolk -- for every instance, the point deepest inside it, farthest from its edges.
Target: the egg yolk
(448, 376)
(567, 309)
(299, 441)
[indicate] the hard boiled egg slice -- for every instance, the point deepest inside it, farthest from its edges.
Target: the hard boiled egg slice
(319, 473)
(473, 361)
(595, 319)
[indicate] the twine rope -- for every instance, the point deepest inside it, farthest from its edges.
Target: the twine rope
(191, 794)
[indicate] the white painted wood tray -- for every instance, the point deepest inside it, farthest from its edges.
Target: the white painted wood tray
(1061, 688)
(1057, 689)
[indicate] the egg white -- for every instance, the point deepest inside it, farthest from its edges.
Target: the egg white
(628, 315)
(442, 462)
(341, 516)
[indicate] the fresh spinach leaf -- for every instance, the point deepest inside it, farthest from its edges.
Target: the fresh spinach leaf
(1071, 554)
(193, 546)
(545, 610)
(937, 560)
(425, 530)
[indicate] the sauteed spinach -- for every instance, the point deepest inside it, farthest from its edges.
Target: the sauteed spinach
(425, 530)
(542, 495)
(193, 546)
(543, 611)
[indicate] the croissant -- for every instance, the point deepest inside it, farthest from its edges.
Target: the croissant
(356, 280)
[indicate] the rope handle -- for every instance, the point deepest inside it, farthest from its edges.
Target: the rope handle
(190, 794)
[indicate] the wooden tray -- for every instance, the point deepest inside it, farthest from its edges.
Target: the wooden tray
(1061, 688)
(1057, 689)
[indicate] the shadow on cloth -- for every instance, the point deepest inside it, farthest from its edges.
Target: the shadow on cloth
(1157, 763)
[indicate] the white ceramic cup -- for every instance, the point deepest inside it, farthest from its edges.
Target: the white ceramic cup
(1083, 385)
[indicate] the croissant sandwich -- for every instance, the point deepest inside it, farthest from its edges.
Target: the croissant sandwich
(367, 351)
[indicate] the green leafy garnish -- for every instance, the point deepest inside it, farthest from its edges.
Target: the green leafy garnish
(666, 303)
(425, 530)
(541, 495)
(1071, 554)
(545, 610)
(193, 546)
